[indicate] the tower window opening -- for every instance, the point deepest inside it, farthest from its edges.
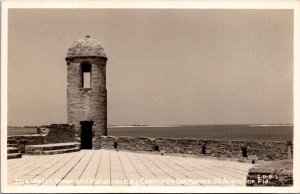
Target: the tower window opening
(86, 75)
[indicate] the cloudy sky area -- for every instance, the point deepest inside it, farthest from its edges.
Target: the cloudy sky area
(165, 67)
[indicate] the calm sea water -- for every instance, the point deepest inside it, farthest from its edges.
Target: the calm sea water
(230, 132)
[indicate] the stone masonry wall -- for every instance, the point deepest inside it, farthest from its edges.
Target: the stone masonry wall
(54, 133)
(257, 150)
(58, 133)
(34, 139)
(87, 104)
(106, 142)
(136, 144)
(22, 140)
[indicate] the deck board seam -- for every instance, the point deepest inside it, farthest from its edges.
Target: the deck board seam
(64, 163)
(70, 169)
(100, 158)
(57, 160)
(85, 168)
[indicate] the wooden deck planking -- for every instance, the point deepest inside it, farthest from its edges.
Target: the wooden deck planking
(45, 175)
(90, 172)
(34, 175)
(102, 176)
(16, 173)
(71, 172)
(62, 172)
(117, 172)
(113, 168)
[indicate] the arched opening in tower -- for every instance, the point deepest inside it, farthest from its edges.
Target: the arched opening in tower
(86, 134)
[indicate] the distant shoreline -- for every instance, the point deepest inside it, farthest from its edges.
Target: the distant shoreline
(125, 126)
(264, 132)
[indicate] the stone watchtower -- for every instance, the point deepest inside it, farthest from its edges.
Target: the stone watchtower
(86, 91)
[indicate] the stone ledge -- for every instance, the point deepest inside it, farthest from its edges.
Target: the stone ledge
(14, 156)
(52, 152)
(275, 173)
(47, 147)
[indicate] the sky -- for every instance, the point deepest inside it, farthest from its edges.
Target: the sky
(165, 66)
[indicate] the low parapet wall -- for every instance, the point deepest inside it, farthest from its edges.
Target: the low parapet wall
(257, 150)
(54, 133)
(58, 133)
(22, 140)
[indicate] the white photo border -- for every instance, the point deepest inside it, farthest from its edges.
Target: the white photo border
(150, 4)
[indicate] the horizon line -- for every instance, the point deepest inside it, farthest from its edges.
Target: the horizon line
(147, 125)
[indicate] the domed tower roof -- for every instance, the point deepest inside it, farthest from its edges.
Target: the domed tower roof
(86, 47)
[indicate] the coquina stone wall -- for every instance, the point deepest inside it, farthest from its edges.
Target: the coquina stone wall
(257, 150)
(57, 133)
(22, 140)
(54, 133)
(87, 104)
(33, 139)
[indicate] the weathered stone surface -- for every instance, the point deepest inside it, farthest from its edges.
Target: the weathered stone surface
(54, 133)
(42, 130)
(22, 140)
(107, 142)
(29, 139)
(11, 150)
(57, 133)
(135, 144)
(256, 150)
(14, 156)
(273, 173)
(50, 149)
(87, 104)
(86, 47)
(177, 145)
(53, 146)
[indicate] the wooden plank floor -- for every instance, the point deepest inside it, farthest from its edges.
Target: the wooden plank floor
(113, 168)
